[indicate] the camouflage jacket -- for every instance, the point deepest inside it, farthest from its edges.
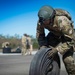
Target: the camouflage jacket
(61, 26)
(23, 39)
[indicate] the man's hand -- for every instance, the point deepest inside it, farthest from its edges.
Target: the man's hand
(53, 52)
(43, 47)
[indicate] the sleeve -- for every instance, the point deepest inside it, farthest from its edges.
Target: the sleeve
(67, 35)
(40, 34)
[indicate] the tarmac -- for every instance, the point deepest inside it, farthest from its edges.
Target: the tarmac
(17, 64)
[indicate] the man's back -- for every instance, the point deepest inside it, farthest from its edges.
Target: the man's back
(23, 39)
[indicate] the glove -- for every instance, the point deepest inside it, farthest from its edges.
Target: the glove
(43, 47)
(53, 52)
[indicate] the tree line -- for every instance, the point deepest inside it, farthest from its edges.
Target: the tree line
(15, 40)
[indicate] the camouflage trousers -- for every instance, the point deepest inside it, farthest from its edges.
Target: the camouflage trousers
(68, 60)
(24, 49)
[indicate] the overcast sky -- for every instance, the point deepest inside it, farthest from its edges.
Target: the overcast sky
(20, 16)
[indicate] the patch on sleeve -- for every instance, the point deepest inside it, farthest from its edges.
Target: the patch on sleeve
(60, 24)
(59, 21)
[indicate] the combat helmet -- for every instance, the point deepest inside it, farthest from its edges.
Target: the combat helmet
(46, 12)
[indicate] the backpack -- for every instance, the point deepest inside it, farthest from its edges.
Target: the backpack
(61, 12)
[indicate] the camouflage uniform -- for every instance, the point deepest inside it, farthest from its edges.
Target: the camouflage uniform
(24, 44)
(30, 44)
(60, 37)
(5, 45)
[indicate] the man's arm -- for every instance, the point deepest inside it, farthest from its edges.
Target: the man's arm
(40, 34)
(67, 41)
(67, 35)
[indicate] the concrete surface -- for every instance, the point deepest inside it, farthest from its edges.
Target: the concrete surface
(16, 64)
